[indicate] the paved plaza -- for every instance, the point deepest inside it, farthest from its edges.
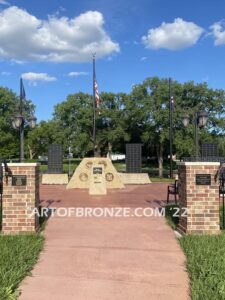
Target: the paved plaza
(103, 258)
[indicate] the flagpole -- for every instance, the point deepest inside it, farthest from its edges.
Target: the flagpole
(94, 108)
(171, 128)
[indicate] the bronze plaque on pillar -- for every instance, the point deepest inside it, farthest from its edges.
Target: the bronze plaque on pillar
(19, 180)
(203, 179)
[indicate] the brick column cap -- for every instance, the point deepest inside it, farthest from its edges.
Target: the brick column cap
(197, 163)
(23, 164)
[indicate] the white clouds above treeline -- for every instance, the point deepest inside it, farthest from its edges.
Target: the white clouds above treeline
(218, 31)
(76, 74)
(24, 37)
(173, 36)
(181, 34)
(34, 78)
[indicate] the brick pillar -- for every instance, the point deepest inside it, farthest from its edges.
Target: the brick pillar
(201, 201)
(19, 200)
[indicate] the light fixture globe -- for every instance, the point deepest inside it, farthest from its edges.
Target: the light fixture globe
(106, 121)
(202, 119)
(13, 123)
(32, 121)
(186, 120)
(17, 121)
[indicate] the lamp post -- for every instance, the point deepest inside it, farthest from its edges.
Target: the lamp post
(19, 120)
(171, 109)
(199, 119)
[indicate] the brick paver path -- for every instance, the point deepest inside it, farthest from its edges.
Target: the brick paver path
(108, 258)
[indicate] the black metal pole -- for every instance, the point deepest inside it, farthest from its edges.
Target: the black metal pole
(171, 128)
(22, 124)
(196, 136)
(22, 142)
(222, 190)
(223, 213)
(94, 108)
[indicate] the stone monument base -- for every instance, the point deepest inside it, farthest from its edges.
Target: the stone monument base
(97, 181)
(55, 179)
(135, 178)
(83, 174)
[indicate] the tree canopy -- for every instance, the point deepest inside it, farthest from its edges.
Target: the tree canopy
(140, 116)
(9, 141)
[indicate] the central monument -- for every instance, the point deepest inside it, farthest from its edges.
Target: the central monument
(96, 174)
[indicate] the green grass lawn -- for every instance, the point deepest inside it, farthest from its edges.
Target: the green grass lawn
(171, 215)
(205, 261)
(18, 254)
(120, 167)
(157, 179)
(67, 166)
(206, 265)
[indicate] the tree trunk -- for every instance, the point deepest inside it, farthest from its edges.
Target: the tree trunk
(31, 152)
(160, 158)
(98, 154)
(109, 150)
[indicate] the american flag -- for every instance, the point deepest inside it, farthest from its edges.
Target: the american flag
(97, 99)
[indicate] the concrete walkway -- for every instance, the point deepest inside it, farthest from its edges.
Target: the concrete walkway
(132, 258)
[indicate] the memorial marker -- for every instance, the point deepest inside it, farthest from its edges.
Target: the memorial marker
(203, 179)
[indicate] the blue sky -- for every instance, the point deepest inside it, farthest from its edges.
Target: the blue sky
(50, 43)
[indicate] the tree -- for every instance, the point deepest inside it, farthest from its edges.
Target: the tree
(74, 117)
(111, 123)
(9, 142)
(195, 98)
(148, 110)
(41, 136)
(141, 116)
(148, 115)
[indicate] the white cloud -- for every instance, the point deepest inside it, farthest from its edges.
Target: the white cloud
(62, 9)
(173, 36)
(75, 74)
(4, 2)
(17, 62)
(33, 78)
(5, 73)
(218, 31)
(58, 39)
(143, 58)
